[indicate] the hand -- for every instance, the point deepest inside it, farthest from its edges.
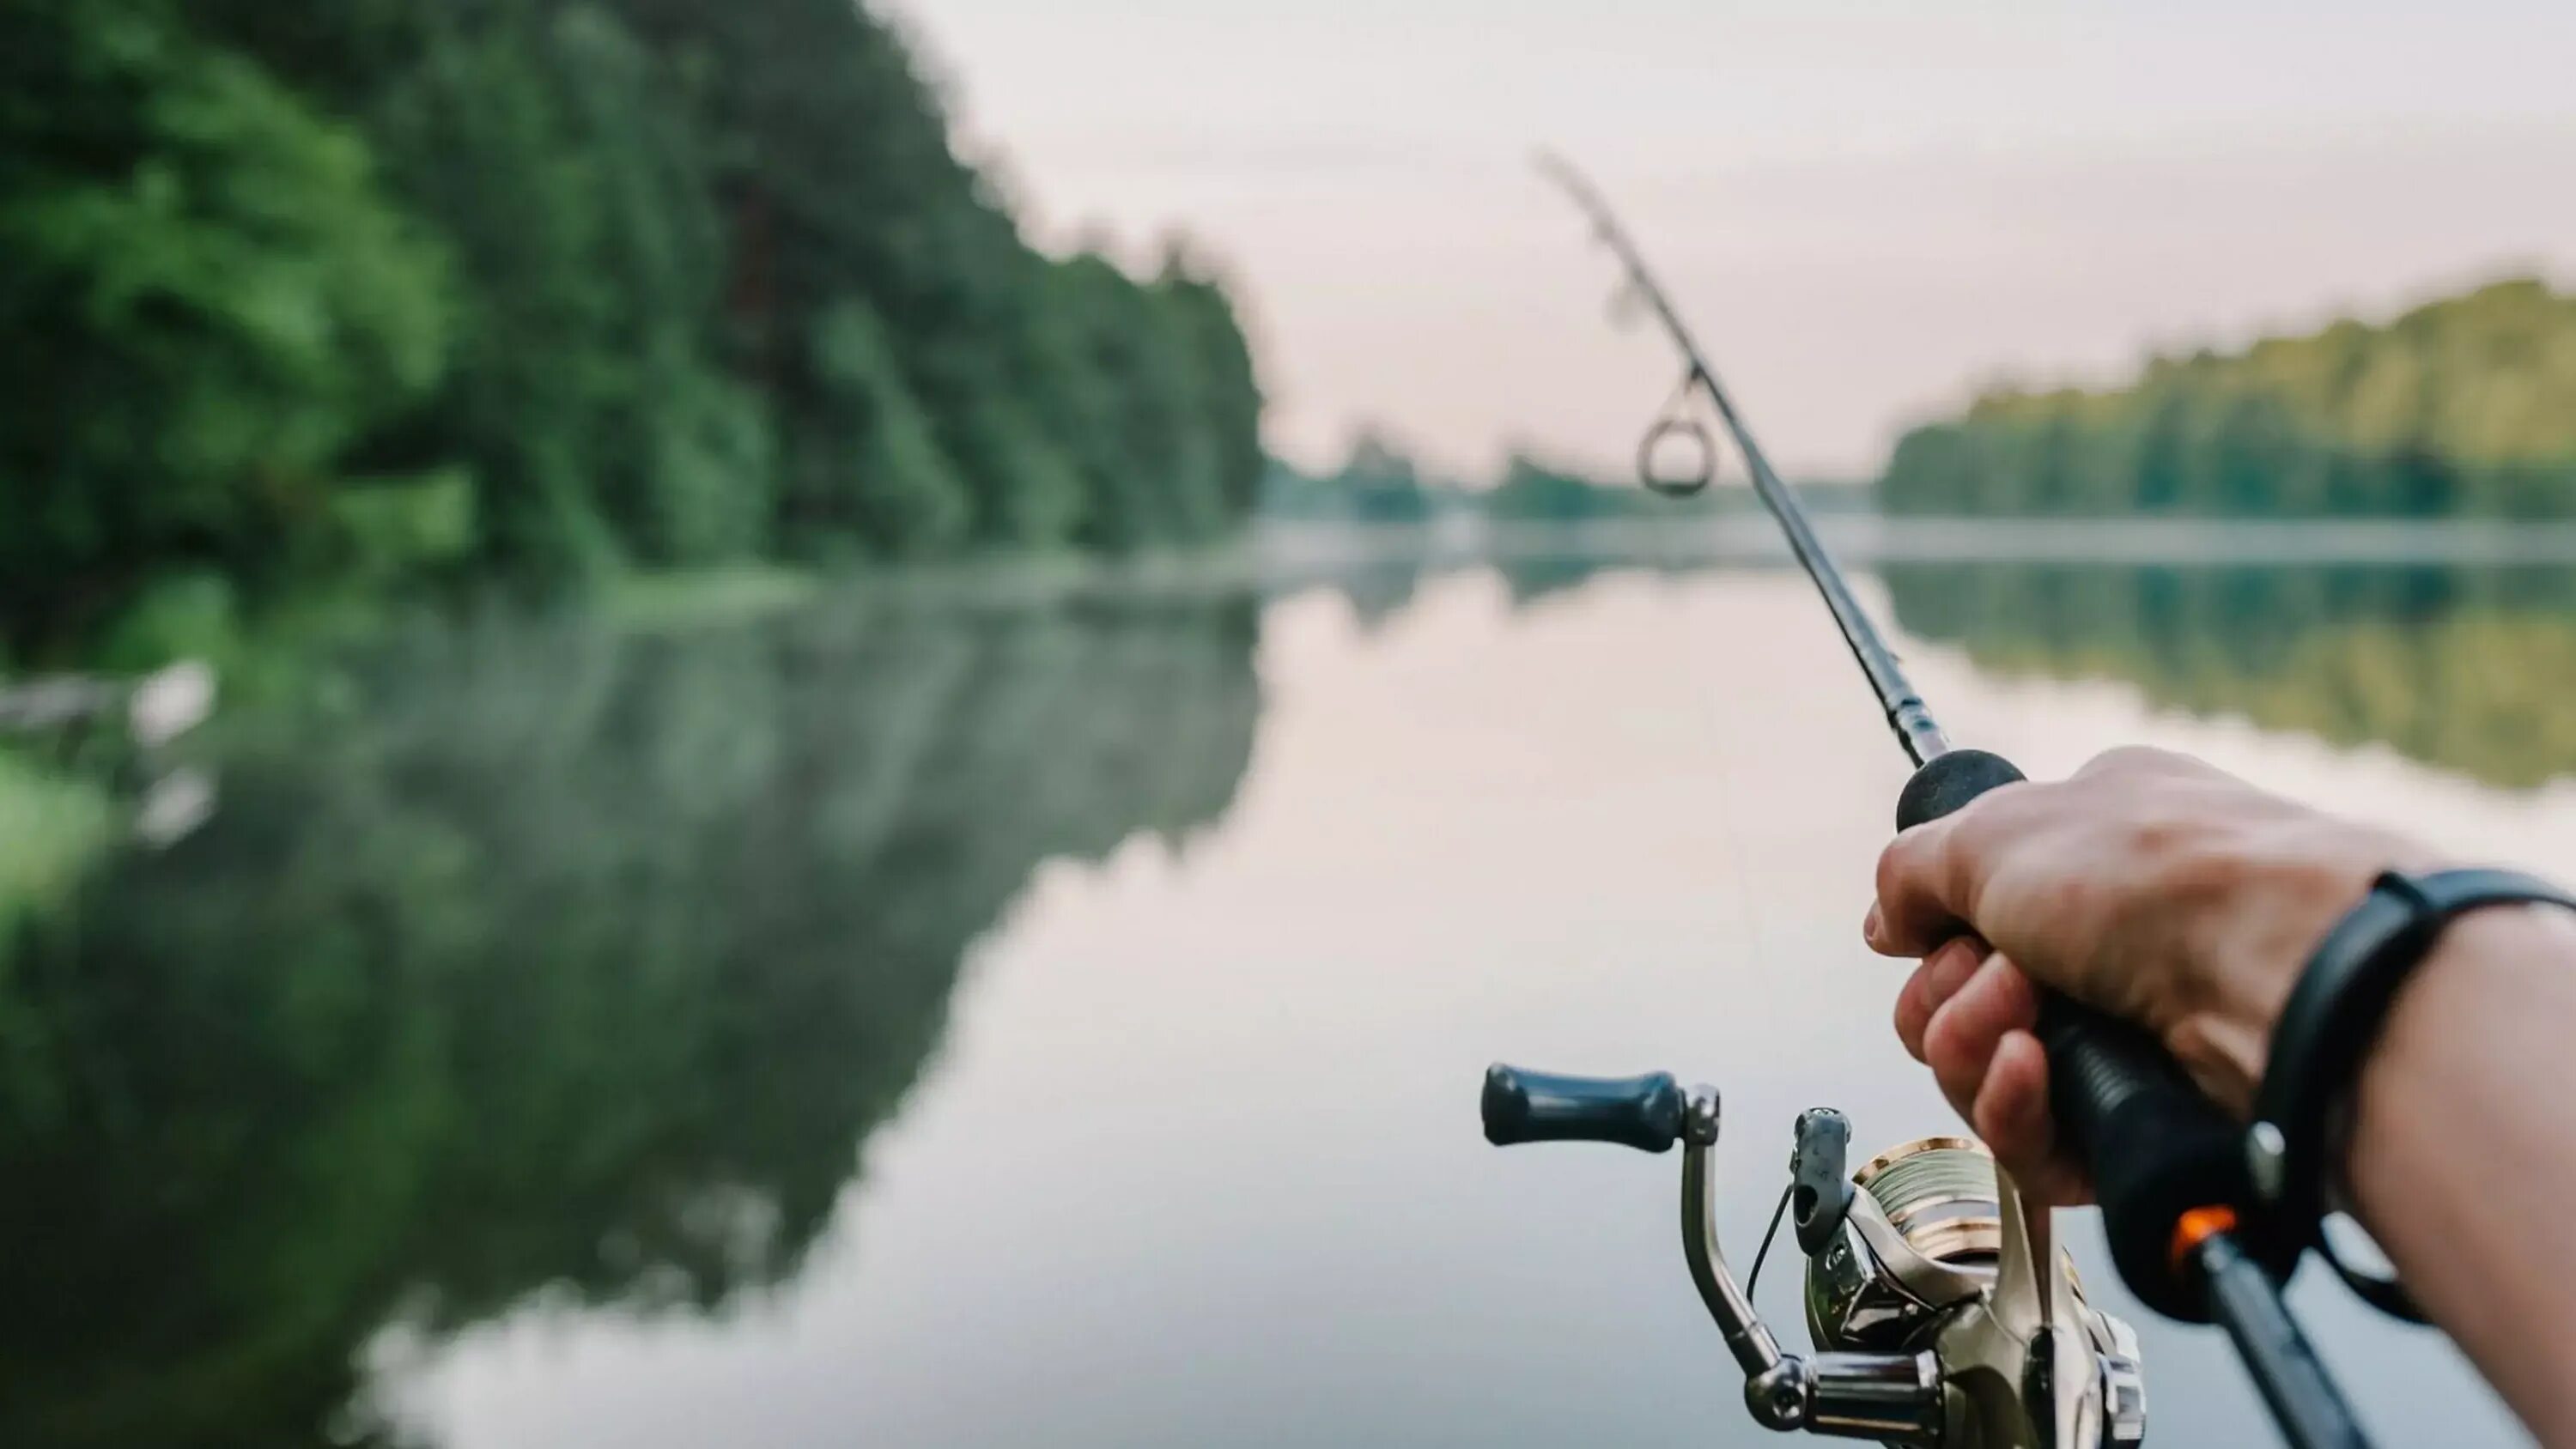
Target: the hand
(2150, 886)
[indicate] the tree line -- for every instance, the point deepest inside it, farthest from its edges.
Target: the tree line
(361, 292)
(1378, 482)
(2464, 406)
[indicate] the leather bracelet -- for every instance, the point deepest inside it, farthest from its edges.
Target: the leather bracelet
(2329, 1025)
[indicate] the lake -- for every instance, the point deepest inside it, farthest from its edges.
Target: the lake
(1056, 1019)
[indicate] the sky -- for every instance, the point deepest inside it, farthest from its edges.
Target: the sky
(1868, 208)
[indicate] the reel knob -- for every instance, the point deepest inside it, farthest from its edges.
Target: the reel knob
(1641, 1112)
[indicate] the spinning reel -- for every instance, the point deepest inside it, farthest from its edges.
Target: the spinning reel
(1942, 1314)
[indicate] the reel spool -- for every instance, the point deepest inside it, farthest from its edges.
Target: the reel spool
(1937, 1225)
(1939, 1195)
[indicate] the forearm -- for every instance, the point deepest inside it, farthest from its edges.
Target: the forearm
(2458, 1160)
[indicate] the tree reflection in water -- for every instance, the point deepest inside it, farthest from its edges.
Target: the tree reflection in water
(532, 958)
(2468, 669)
(525, 958)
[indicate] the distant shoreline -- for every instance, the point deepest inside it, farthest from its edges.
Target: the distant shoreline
(1866, 539)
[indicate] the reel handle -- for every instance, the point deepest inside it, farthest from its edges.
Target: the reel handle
(1641, 1112)
(2156, 1148)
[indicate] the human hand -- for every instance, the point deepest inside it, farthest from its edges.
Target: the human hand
(2150, 886)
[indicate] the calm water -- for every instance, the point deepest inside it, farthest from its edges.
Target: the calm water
(912, 1025)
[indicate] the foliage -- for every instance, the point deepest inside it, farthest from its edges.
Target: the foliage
(2463, 406)
(1380, 484)
(565, 288)
(872, 467)
(1377, 483)
(1537, 492)
(210, 299)
(51, 825)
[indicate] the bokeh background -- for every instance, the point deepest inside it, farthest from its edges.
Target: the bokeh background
(808, 723)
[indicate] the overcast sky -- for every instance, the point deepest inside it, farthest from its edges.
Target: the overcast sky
(1868, 207)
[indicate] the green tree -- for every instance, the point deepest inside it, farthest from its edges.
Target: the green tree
(585, 400)
(210, 300)
(871, 474)
(2465, 405)
(1220, 357)
(371, 292)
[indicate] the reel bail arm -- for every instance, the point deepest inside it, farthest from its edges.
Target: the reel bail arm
(1908, 1395)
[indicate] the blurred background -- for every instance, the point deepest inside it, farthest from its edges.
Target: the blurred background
(808, 723)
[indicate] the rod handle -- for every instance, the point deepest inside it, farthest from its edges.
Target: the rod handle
(2156, 1148)
(1946, 784)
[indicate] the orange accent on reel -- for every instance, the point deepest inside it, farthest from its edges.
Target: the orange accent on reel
(2197, 1227)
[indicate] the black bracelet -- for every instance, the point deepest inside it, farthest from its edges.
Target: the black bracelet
(2329, 1025)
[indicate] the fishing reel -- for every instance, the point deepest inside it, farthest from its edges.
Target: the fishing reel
(1943, 1315)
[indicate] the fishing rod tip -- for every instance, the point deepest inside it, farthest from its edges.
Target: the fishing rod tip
(1554, 165)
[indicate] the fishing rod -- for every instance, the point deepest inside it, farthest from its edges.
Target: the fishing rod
(1943, 1311)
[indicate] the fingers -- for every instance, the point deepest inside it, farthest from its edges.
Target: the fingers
(2011, 1113)
(1909, 916)
(1969, 1013)
(1959, 1041)
(1933, 984)
(1929, 876)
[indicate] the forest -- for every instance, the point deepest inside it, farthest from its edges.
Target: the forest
(1379, 483)
(2464, 406)
(341, 298)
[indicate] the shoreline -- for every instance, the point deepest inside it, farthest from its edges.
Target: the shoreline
(1864, 540)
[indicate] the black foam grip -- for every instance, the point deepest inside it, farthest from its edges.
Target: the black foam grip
(1641, 1112)
(1948, 782)
(2155, 1147)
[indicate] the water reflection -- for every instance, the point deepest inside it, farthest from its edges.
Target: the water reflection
(545, 959)
(531, 970)
(2458, 666)
(2463, 668)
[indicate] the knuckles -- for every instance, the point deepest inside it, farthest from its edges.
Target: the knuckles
(2129, 762)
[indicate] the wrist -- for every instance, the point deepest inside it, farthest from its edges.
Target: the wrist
(2333, 1027)
(2288, 893)
(2470, 1040)
(2483, 967)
